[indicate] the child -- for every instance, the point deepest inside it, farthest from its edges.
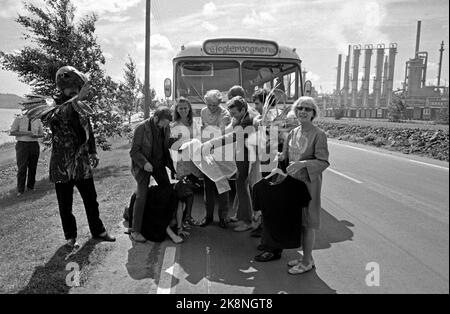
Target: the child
(184, 189)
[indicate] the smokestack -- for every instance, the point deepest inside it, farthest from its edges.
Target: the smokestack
(378, 74)
(385, 75)
(419, 24)
(356, 55)
(338, 81)
(440, 63)
(346, 76)
(391, 69)
(366, 78)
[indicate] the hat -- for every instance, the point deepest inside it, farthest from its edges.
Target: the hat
(68, 76)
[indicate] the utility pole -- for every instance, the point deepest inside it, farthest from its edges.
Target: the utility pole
(147, 94)
(441, 52)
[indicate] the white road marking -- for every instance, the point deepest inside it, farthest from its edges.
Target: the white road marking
(345, 176)
(392, 156)
(167, 271)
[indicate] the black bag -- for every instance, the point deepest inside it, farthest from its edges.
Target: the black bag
(159, 210)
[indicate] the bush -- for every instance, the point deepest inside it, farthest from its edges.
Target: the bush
(338, 114)
(442, 117)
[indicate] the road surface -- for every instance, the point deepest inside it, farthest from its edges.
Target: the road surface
(385, 229)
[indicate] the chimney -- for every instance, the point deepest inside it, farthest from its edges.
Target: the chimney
(419, 24)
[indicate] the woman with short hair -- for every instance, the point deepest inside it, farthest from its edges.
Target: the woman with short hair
(306, 151)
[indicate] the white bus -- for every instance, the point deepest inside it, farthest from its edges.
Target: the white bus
(223, 63)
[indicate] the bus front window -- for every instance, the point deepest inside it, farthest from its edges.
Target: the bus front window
(195, 78)
(260, 74)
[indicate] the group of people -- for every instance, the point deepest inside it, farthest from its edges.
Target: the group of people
(301, 157)
(303, 152)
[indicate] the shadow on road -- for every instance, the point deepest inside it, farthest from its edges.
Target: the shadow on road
(214, 260)
(51, 278)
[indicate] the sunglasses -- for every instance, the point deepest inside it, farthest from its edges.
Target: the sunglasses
(307, 109)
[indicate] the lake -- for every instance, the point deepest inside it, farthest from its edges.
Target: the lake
(6, 119)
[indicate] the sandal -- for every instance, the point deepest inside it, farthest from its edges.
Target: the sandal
(301, 269)
(267, 257)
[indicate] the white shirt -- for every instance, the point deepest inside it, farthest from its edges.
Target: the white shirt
(21, 124)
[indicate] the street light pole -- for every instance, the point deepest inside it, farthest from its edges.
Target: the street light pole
(147, 95)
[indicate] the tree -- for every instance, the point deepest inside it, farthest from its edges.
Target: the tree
(396, 107)
(57, 41)
(130, 90)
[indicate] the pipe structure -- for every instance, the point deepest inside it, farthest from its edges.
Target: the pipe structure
(378, 74)
(366, 79)
(441, 52)
(356, 55)
(391, 71)
(338, 81)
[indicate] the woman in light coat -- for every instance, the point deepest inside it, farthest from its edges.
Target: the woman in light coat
(307, 152)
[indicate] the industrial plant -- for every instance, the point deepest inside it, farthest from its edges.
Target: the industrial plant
(355, 99)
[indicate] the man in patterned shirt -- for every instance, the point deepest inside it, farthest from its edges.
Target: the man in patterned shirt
(73, 154)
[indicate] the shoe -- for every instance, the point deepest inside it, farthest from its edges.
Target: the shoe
(261, 247)
(223, 224)
(136, 236)
(206, 222)
(295, 262)
(19, 194)
(105, 236)
(233, 219)
(243, 227)
(72, 243)
(267, 256)
(301, 269)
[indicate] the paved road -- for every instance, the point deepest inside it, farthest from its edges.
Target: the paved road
(378, 207)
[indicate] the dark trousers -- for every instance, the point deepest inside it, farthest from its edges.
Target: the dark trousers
(162, 179)
(27, 156)
(244, 210)
(64, 193)
(210, 191)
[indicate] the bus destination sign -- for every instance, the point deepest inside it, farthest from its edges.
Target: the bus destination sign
(240, 47)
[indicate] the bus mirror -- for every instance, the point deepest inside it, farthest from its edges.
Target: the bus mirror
(308, 88)
(167, 87)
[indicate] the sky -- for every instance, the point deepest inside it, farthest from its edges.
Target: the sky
(318, 29)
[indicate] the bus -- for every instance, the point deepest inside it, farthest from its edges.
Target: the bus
(224, 62)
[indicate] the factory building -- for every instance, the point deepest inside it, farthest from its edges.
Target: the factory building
(355, 97)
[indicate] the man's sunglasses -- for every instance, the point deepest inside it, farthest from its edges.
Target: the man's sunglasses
(307, 109)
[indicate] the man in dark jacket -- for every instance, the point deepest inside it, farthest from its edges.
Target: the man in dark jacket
(73, 153)
(150, 156)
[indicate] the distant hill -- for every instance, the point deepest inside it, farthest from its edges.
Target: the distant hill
(10, 101)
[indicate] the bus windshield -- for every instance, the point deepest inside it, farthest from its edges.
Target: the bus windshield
(261, 74)
(195, 78)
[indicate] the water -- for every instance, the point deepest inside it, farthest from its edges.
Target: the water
(6, 119)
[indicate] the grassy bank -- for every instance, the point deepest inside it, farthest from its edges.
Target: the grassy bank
(33, 258)
(427, 140)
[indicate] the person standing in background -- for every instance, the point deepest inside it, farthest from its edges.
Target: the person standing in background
(27, 133)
